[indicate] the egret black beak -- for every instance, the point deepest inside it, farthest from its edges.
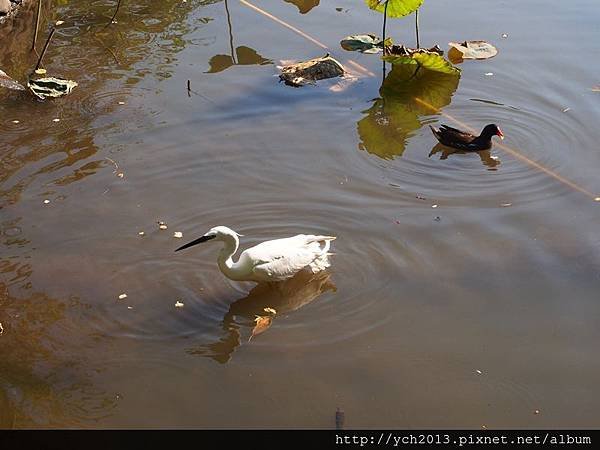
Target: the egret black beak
(196, 241)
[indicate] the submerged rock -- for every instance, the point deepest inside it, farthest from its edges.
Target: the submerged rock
(308, 72)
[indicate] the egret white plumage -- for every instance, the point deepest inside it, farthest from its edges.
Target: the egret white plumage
(275, 260)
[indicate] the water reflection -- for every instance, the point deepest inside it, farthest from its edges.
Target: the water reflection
(41, 384)
(255, 313)
(241, 56)
(304, 6)
(491, 162)
(396, 115)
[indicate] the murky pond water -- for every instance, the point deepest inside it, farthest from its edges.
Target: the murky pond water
(464, 288)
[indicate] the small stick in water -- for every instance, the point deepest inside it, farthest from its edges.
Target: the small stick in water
(339, 419)
(37, 66)
(37, 22)
(189, 88)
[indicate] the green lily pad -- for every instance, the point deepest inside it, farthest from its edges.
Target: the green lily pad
(430, 59)
(50, 87)
(395, 8)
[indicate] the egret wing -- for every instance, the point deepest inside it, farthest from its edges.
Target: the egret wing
(282, 258)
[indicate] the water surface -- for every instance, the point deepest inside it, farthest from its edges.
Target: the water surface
(463, 291)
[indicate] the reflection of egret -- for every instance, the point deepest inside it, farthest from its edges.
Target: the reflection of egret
(241, 56)
(485, 155)
(275, 260)
(254, 314)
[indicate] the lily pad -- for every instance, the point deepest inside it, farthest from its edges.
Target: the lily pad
(50, 87)
(471, 50)
(364, 43)
(9, 83)
(308, 72)
(430, 59)
(395, 8)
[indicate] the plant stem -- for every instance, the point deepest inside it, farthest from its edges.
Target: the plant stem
(417, 27)
(37, 66)
(230, 32)
(112, 19)
(37, 22)
(384, 23)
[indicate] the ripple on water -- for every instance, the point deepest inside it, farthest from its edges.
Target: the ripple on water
(157, 278)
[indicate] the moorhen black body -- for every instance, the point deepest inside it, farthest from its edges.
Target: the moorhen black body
(462, 140)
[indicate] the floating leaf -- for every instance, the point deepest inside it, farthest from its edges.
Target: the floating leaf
(365, 43)
(471, 50)
(308, 72)
(9, 83)
(395, 8)
(50, 87)
(430, 59)
(262, 324)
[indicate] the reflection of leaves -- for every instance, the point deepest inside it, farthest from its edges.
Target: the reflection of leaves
(246, 56)
(219, 63)
(304, 6)
(395, 8)
(35, 353)
(396, 115)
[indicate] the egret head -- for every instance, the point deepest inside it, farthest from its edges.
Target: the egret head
(219, 233)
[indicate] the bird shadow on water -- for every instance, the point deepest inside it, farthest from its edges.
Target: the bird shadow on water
(254, 314)
(487, 159)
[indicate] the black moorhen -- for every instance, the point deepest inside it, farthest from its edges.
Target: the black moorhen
(462, 140)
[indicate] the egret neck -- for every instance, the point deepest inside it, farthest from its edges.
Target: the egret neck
(229, 268)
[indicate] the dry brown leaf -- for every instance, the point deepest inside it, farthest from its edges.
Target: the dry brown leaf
(262, 324)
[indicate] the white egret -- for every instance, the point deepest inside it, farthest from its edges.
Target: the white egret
(275, 260)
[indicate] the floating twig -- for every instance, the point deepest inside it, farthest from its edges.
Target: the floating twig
(114, 164)
(108, 50)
